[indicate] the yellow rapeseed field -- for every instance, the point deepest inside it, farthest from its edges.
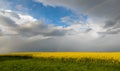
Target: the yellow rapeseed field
(97, 55)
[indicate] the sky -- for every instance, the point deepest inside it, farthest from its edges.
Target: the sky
(59, 25)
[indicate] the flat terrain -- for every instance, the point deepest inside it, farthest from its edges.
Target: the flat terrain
(60, 61)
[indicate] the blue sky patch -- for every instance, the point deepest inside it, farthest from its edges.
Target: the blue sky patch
(48, 14)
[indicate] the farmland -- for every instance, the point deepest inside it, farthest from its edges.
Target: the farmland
(60, 61)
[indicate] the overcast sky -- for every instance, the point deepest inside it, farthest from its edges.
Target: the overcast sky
(59, 25)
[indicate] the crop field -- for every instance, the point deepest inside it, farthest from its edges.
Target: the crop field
(60, 61)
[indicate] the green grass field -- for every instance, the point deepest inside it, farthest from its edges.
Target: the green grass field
(27, 63)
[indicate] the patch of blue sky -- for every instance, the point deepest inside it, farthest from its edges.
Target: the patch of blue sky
(48, 14)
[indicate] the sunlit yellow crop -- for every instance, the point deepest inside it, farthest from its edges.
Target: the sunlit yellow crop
(98, 55)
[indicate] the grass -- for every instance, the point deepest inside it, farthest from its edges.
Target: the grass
(23, 62)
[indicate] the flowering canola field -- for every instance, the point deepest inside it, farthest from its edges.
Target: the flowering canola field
(96, 55)
(60, 61)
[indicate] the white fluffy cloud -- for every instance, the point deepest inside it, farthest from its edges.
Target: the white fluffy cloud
(25, 25)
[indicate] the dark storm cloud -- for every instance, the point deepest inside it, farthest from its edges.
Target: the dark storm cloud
(112, 26)
(110, 32)
(112, 22)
